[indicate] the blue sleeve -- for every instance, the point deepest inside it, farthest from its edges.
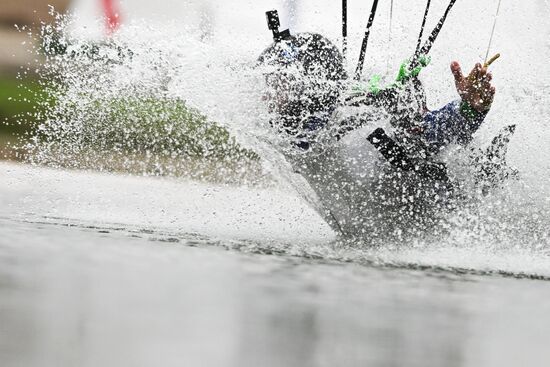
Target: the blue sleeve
(447, 125)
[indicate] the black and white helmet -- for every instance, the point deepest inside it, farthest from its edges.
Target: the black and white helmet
(304, 76)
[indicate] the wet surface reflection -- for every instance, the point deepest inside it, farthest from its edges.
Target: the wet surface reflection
(81, 296)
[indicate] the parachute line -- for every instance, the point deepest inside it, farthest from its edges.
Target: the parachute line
(419, 43)
(344, 29)
(433, 36)
(493, 31)
(390, 36)
(363, 52)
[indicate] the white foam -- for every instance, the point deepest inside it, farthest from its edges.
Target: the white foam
(160, 204)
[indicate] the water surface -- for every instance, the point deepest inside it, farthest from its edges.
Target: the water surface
(114, 291)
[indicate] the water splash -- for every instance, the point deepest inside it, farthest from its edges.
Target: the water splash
(136, 102)
(144, 62)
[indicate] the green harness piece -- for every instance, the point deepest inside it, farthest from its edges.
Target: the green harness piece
(373, 87)
(404, 72)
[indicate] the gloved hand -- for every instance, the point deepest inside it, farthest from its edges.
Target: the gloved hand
(476, 88)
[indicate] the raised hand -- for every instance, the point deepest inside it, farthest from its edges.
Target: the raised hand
(476, 88)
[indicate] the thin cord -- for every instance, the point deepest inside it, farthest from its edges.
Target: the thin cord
(345, 31)
(364, 45)
(431, 39)
(389, 37)
(493, 31)
(419, 42)
(391, 19)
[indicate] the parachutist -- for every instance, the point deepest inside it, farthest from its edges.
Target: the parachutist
(401, 168)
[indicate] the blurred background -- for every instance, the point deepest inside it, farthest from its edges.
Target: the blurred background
(18, 95)
(21, 23)
(521, 36)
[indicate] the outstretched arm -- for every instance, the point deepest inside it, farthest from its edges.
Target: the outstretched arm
(459, 120)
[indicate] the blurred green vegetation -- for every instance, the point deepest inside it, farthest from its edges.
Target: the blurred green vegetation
(145, 125)
(18, 102)
(153, 125)
(146, 135)
(18, 110)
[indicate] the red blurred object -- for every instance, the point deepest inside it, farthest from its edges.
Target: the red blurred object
(111, 15)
